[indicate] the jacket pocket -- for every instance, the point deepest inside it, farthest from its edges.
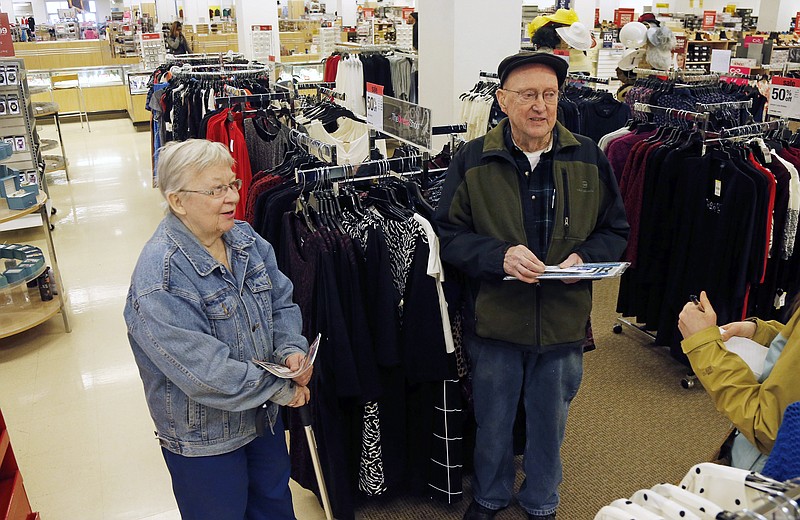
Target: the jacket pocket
(504, 311)
(581, 202)
(260, 284)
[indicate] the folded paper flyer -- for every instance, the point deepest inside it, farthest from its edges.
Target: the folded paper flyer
(283, 371)
(592, 271)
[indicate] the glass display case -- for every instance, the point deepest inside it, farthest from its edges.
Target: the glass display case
(308, 71)
(105, 76)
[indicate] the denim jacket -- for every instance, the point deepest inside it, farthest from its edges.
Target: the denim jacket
(194, 327)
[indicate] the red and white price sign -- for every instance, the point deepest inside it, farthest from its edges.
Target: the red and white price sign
(375, 105)
(709, 19)
(797, 23)
(6, 42)
(784, 97)
(739, 70)
(752, 39)
(261, 27)
(150, 36)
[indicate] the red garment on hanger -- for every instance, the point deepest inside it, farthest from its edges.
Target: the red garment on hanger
(231, 134)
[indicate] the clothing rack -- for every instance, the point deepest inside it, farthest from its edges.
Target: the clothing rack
(752, 129)
(358, 47)
(227, 101)
(492, 75)
(714, 107)
(321, 150)
(346, 173)
(315, 84)
(671, 74)
(449, 129)
(209, 57)
(588, 79)
(699, 78)
(221, 73)
(671, 112)
(744, 76)
(330, 93)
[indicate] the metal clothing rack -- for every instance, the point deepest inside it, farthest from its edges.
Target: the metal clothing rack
(208, 57)
(492, 75)
(330, 93)
(714, 107)
(449, 129)
(672, 113)
(588, 79)
(358, 47)
(347, 172)
(321, 150)
(752, 129)
(227, 101)
(221, 73)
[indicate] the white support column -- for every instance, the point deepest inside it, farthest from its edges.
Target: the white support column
(195, 12)
(348, 10)
(256, 12)
(166, 11)
(7, 6)
(457, 40)
(585, 11)
(607, 8)
(778, 16)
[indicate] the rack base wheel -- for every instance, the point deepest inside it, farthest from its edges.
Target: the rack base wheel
(52, 227)
(53, 210)
(617, 329)
(689, 382)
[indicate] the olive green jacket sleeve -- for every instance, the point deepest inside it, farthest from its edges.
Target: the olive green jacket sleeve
(755, 409)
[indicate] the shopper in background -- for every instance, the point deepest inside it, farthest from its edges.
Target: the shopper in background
(206, 298)
(31, 28)
(527, 194)
(413, 19)
(176, 41)
(755, 406)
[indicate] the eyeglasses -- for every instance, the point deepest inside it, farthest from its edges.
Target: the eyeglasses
(220, 191)
(550, 97)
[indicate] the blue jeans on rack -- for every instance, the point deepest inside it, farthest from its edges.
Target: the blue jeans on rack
(251, 482)
(547, 382)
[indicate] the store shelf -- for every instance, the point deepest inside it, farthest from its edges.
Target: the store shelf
(39, 89)
(25, 281)
(21, 317)
(47, 144)
(44, 108)
(54, 163)
(7, 215)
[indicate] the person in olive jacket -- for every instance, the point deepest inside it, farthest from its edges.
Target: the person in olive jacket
(528, 194)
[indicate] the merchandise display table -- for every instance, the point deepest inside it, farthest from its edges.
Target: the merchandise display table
(21, 308)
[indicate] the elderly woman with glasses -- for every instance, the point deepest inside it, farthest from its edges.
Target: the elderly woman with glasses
(206, 299)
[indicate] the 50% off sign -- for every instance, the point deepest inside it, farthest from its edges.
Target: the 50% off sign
(784, 97)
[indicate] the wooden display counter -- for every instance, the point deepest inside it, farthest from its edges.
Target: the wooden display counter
(98, 99)
(68, 53)
(210, 43)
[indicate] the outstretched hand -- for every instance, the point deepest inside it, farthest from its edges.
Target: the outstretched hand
(696, 316)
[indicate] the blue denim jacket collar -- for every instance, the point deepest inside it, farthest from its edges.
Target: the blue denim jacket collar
(194, 251)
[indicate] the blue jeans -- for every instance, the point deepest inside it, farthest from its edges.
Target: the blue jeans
(249, 483)
(547, 382)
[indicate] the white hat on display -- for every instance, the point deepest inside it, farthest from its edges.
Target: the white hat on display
(633, 35)
(577, 36)
(630, 59)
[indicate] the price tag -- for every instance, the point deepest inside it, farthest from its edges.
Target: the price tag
(375, 105)
(739, 70)
(784, 97)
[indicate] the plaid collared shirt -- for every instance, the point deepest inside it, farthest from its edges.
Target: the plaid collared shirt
(538, 195)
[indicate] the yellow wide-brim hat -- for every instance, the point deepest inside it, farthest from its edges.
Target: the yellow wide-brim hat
(562, 16)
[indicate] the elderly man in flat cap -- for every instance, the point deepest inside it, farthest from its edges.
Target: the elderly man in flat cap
(528, 194)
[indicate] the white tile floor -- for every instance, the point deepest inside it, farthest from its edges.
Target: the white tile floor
(73, 403)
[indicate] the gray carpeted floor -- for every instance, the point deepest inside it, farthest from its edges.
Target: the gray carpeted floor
(631, 426)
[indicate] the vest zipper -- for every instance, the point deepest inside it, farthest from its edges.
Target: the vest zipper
(565, 187)
(538, 298)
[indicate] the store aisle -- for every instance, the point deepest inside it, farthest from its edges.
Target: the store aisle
(74, 403)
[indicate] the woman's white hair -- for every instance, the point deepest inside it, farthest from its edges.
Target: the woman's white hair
(179, 162)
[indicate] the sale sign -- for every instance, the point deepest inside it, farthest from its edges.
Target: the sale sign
(784, 97)
(375, 105)
(6, 42)
(709, 19)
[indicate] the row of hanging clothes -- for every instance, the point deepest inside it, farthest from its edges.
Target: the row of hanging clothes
(587, 110)
(358, 244)
(708, 211)
(351, 68)
(685, 92)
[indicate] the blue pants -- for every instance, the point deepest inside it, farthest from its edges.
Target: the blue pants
(250, 483)
(547, 382)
